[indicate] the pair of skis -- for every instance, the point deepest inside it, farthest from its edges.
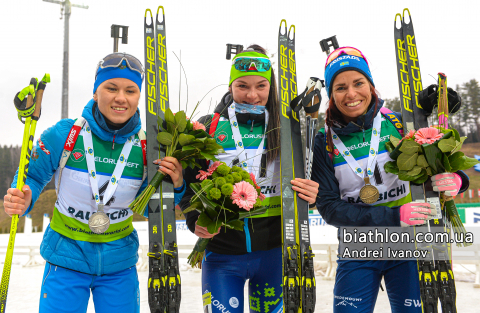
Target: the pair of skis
(298, 271)
(436, 275)
(164, 288)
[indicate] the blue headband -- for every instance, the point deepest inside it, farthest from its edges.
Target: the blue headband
(104, 74)
(342, 63)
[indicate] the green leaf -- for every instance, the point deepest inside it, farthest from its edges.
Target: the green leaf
(256, 211)
(390, 147)
(204, 220)
(421, 161)
(456, 134)
(429, 171)
(391, 167)
(447, 145)
(206, 155)
(394, 140)
(184, 164)
(414, 171)
(406, 162)
(184, 139)
(199, 133)
(160, 124)
(433, 155)
(169, 117)
(164, 138)
(456, 160)
(180, 121)
(235, 224)
(409, 147)
(446, 163)
(458, 144)
(423, 178)
(467, 163)
(395, 153)
(403, 175)
(197, 205)
(186, 148)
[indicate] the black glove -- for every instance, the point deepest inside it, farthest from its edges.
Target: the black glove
(428, 99)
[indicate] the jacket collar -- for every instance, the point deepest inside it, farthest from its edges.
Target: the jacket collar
(121, 135)
(364, 121)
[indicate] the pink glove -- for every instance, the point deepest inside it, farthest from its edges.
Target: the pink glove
(416, 213)
(448, 182)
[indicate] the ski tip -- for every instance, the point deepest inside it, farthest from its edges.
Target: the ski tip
(289, 30)
(281, 22)
(406, 9)
(399, 22)
(163, 10)
(148, 10)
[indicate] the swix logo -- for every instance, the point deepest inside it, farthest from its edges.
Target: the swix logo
(42, 146)
(72, 137)
(416, 303)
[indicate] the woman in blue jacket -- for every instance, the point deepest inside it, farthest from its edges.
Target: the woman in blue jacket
(355, 119)
(97, 160)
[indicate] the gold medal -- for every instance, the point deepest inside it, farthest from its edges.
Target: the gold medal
(369, 194)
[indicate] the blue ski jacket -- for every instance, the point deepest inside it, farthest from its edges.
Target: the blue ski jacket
(333, 209)
(82, 256)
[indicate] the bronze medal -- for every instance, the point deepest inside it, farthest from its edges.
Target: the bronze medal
(99, 221)
(369, 194)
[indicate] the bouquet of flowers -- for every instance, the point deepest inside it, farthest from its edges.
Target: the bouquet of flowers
(184, 140)
(427, 152)
(224, 197)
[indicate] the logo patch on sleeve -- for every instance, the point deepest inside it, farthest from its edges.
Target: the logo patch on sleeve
(42, 146)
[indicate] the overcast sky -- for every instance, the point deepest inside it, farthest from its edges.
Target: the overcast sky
(447, 34)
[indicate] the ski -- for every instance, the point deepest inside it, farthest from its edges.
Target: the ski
(410, 84)
(155, 225)
(291, 258)
(309, 100)
(171, 278)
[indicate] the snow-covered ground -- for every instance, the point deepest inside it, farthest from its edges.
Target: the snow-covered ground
(25, 282)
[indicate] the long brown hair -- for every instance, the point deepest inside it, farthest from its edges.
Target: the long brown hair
(273, 127)
(333, 114)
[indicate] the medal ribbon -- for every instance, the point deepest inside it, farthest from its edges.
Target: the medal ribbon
(92, 173)
(253, 163)
(372, 153)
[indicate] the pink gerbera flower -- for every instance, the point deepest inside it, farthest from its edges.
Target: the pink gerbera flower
(427, 135)
(410, 134)
(244, 195)
(198, 125)
(203, 175)
(214, 166)
(261, 196)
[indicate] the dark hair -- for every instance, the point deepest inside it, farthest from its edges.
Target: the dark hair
(333, 114)
(273, 127)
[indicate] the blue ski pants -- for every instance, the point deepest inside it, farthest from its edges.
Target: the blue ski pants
(68, 291)
(357, 284)
(224, 276)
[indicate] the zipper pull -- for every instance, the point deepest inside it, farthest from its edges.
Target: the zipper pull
(113, 142)
(251, 129)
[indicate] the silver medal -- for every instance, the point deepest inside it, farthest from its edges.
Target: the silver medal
(99, 221)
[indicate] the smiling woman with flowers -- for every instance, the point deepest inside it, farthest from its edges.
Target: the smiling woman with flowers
(246, 124)
(356, 190)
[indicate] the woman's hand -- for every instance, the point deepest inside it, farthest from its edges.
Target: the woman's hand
(450, 183)
(171, 167)
(17, 202)
(202, 232)
(307, 189)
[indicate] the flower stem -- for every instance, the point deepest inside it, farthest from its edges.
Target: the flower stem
(140, 203)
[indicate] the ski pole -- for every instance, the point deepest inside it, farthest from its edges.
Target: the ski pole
(28, 108)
